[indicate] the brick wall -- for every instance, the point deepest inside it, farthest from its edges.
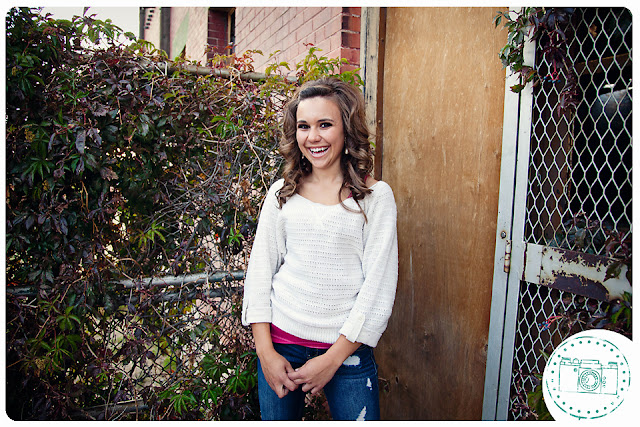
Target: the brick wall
(189, 32)
(285, 30)
(198, 34)
(335, 30)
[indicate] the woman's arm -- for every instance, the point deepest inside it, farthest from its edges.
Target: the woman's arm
(266, 256)
(370, 313)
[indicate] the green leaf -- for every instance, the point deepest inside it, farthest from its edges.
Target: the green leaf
(613, 270)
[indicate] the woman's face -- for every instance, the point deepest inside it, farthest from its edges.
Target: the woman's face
(320, 132)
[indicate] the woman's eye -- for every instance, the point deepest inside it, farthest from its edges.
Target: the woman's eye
(325, 125)
(303, 126)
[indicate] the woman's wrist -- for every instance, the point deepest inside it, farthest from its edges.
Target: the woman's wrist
(262, 339)
(341, 350)
(265, 352)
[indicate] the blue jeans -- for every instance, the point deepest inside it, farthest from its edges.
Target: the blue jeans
(352, 393)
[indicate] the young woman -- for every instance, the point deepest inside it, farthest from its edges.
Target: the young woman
(322, 274)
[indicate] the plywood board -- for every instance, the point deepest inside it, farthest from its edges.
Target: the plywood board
(443, 108)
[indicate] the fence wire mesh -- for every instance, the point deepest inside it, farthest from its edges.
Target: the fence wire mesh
(579, 188)
(162, 334)
(580, 164)
(547, 316)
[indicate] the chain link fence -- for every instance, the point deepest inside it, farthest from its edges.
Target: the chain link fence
(162, 334)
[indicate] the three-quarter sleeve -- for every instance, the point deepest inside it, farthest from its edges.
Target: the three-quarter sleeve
(370, 314)
(265, 259)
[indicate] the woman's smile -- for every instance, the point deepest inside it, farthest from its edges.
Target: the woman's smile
(319, 151)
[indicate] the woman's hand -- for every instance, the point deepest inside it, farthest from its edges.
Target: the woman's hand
(274, 366)
(276, 370)
(316, 373)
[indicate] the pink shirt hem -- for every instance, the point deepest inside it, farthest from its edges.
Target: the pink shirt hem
(281, 337)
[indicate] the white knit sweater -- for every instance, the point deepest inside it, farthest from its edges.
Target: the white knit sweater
(318, 271)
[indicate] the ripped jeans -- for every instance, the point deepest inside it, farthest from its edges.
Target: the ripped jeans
(352, 393)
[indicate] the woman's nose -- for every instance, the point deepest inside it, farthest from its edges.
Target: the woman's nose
(314, 135)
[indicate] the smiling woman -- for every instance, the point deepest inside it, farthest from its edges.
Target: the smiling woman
(334, 107)
(322, 274)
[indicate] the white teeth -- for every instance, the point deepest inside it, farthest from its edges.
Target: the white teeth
(318, 150)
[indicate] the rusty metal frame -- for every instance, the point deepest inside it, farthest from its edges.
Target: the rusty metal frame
(576, 272)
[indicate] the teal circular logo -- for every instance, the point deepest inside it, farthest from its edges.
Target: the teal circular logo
(588, 376)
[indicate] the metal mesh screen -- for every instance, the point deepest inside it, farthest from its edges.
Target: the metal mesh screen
(546, 317)
(579, 189)
(580, 164)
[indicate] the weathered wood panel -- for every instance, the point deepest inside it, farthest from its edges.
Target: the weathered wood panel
(443, 107)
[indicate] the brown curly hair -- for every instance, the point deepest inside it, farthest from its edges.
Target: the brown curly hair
(356, 165)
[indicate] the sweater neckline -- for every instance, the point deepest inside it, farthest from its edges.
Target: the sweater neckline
(333, 205)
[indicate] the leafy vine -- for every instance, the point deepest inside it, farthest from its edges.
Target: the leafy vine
(548, 27)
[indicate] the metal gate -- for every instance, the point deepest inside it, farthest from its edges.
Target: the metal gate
(565, 208)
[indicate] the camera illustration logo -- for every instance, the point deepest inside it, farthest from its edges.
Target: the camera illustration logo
(588, 376)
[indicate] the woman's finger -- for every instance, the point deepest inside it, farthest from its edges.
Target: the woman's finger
(282, 392)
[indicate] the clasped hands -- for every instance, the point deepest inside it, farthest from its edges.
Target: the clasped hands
(312, 376)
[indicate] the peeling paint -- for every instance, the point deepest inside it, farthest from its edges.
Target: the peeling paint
(575, 272)
(352, 361)
(577, 284)
(362, 415)
(587, 260)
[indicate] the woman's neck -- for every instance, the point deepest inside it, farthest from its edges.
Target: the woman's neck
(328, 177)
(323, 187)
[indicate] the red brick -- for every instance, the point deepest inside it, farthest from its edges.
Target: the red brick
(351, 11)
(351, 23)
(351, 40)
(351, 55)
(348, 67)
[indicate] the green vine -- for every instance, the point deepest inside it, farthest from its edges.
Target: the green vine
(548, 28)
